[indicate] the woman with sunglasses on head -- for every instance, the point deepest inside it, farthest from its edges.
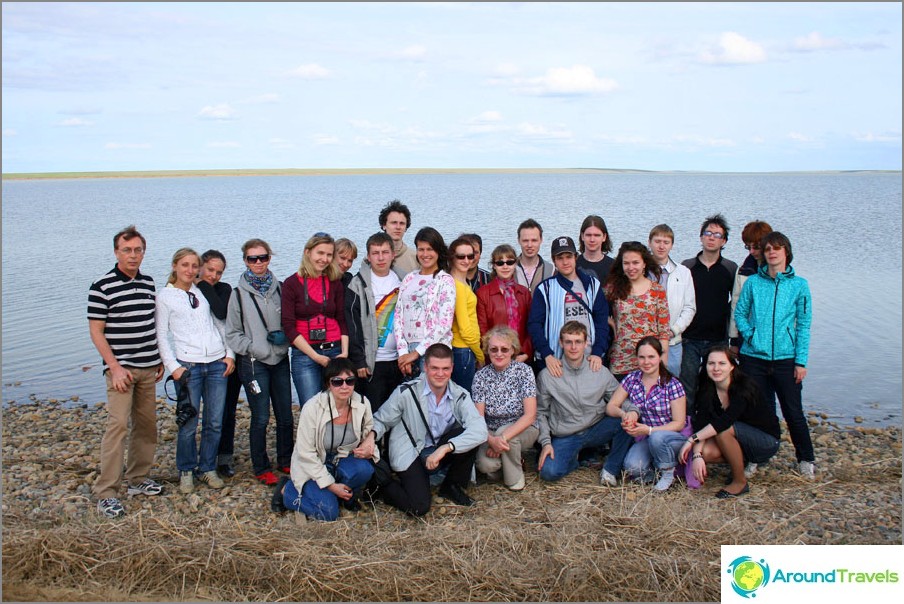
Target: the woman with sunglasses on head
(731, 423)
(253, 330)
(329, 466)
(213, 264)
(505, 393)
(190, 340)
(751, 235)
(313, 315)
(425, 309)
(504, 301)
(639, 306)
(595, 245)
(466, 351)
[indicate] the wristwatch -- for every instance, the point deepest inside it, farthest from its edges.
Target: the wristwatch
(694, 438)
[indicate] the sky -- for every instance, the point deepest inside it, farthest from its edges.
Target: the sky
(728, 87)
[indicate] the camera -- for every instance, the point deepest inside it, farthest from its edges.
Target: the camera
(255, 387)
(184, 409)
(317, 335)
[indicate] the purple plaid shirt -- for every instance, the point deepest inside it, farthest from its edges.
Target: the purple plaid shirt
(655, 406)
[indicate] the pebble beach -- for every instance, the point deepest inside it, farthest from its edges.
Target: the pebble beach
(50, 457)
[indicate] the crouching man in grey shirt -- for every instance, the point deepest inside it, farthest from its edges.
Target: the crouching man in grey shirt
(572, 412)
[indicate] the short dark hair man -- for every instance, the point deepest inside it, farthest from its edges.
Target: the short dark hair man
(713, 278)
(571, 294)
(395, 219)
(375, 291)
(531, 269)
(571, 410)
(434, 423)
(121, 307)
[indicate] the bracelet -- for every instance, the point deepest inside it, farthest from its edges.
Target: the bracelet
(651, 430)
(698, 456)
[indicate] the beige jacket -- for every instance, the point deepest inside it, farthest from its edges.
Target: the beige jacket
(309, 454)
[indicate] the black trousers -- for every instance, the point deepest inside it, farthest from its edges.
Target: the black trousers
(411, 491)
(385, 378)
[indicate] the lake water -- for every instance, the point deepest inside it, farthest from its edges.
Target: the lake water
(845, 230)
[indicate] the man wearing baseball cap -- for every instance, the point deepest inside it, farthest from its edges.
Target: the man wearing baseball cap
(571, 294)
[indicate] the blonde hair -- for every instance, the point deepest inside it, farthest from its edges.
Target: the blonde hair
(346, 245)
(506, 333)
(307, 269)
(181, 253)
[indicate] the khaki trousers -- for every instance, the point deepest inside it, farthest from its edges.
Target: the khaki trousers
(140, 404)
(510, 461)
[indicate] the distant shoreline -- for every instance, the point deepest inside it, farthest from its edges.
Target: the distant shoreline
(383, 171)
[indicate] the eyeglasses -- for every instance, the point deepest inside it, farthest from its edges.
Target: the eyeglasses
(128, 251)
(714, 234)
(338, 381)
(749, 247)
(504, 262)
(465, 256)
(256, 259)
(193, 300)
(500, 350)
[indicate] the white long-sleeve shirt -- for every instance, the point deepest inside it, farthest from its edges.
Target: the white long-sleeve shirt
(185, 333)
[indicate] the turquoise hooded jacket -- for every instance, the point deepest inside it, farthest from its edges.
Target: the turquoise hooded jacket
(774, 315)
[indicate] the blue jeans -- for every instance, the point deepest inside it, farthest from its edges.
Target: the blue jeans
(676, 352)
(307, 374)
(691, 360)
(464, 364)
(205, 381)
(276, 389)
(757, 446)
(321, 504)
(776, 378)
(567, 448)
(659, 450)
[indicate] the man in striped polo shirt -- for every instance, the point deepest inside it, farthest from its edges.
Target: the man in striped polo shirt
(121, 322)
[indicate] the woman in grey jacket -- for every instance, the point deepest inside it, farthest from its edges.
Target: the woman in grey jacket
(253, 330)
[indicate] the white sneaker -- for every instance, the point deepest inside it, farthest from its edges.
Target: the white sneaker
(212, 479)
(186, 482)
(807, 470)
(665, 480)
(606, 478)
(110, 507)
(518, 485)
(750, 470)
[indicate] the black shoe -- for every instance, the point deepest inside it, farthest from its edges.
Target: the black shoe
(276, 500)
(455, 494)
(723, 494)
(226, 470)
(352, 505)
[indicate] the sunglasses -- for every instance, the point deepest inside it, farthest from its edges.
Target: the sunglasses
(499, 349)
(256, 259)
(338, 381)
(504, 262)
(465, 256)
(193, 300)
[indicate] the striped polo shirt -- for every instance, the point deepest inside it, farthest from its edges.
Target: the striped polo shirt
(126, 306)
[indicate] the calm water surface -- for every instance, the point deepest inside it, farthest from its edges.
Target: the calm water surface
(845, 230)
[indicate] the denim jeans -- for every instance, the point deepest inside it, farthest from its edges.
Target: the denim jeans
(307, 374)
(464, 364)
(776, 378)
(659, 450)
(321, 504)
(276, 389)
(757, 446)
(676, 352)
(691, 360)
(205, 381)
(567, 448)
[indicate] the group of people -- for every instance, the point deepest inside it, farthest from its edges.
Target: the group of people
(423, 365)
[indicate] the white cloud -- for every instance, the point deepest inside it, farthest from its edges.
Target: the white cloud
(9, 132)
(75, 122)
(325, 139)
(814, 41)
(281, 143)
(263, 99)
(884, 137)
(311, 71)
(127, 146)
(223, 111)
(733, 49)
(223, 145)
(565, 81)
(541, 132)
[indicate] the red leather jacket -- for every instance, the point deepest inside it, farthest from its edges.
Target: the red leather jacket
(491, 311)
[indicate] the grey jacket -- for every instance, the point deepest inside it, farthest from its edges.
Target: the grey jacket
(245, 333)
(573, 402)
(364, 307)
(400, 408)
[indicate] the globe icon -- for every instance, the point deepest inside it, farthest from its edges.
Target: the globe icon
(748, 575)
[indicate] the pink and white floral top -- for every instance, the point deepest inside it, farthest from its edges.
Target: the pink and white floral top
(425, 311)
